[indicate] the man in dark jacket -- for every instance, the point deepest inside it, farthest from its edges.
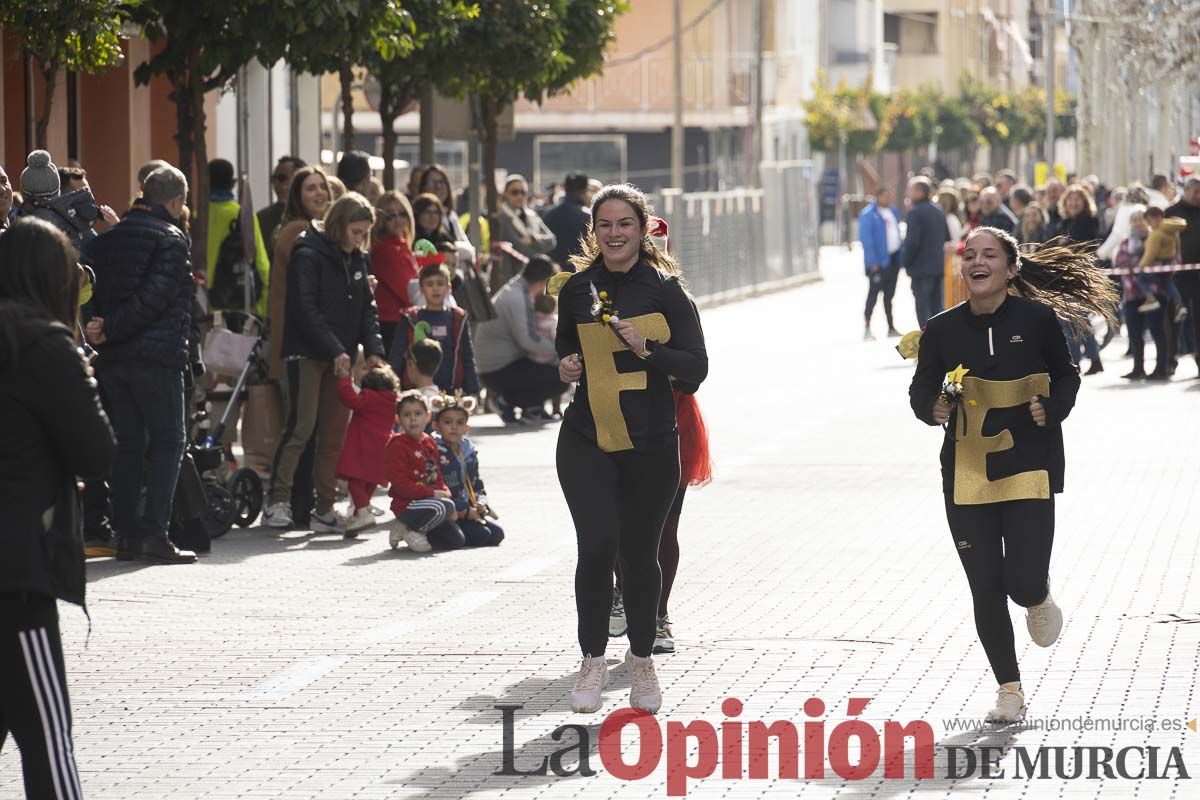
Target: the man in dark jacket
(924, 249)
(569, 220)
(994, 213)
(1188, 281)
(143, 314)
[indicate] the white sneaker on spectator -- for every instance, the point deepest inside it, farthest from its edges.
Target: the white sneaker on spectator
(358, 521)
(1010, 704)
(417, 542)
(1044, 622)
(396, 535)
(644, 691)
(617, 625)
(589, 683)
(278, 515)
(329, 522)
(1181, 313)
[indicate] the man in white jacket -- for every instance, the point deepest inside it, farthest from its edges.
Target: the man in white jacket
(1135, 200)
(515, 362)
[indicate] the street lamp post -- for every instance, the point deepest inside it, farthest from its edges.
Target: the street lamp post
(1049, 18)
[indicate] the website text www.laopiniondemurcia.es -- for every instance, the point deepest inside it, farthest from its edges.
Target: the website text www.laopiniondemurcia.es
(852, 750)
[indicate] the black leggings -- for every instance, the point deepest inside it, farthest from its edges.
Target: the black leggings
(619, 502)
(1005, 551)
(668, 553)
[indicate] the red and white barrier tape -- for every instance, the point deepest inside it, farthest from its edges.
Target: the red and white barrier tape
(1154, 268)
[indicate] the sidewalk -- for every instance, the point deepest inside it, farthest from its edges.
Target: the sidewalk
(818, 565)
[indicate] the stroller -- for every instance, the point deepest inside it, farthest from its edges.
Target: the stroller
(238, 499)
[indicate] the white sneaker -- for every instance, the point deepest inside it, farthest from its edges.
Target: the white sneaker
(329, 522)
(644, 692)
(359, 520)
(664, 640)
(617, 624)
(1150, 304)
(396, 535)
(1010, 704)
(592, 678)
(417, 542)
(278, 515)
(1181, 313)
(1044, 622)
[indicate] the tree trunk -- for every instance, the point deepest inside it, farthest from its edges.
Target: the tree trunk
(346, 76)
(426, 149)
(491, 111)
(200, 150)
(50, 77)
(387, 125)
(181, 95)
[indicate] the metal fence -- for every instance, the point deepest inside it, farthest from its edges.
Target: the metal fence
(741, 240)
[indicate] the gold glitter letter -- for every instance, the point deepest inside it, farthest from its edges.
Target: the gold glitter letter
(971, 484)
(605, 384)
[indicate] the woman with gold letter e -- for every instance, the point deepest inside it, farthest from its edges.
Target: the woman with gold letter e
(997, 373)
(626, 327)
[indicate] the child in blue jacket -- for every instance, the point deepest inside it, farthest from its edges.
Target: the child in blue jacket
(460, 467)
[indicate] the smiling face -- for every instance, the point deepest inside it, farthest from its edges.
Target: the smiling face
(1074, 204)
(985, 267)
(314, 196)
(413, 417)
(430, 219)
(619, 233)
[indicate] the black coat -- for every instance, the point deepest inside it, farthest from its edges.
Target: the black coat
(52, 430)
(1189, 239)
(1002, 218)
(144, 289)
(330, 308)
(1081, 229)
(925, 240)
(569, 222)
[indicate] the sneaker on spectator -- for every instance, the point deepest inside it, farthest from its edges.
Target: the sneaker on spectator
(644, 691)
(589, 683)
(417, 542)
(396, 534)
(617, 624)
(664, 640)
(278, 515)
(329, 522)
(358, 521)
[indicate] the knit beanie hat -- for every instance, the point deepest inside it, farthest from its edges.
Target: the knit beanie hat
(40, 177)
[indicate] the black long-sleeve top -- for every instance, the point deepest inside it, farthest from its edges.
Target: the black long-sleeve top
(1021, 338)
(648, 414)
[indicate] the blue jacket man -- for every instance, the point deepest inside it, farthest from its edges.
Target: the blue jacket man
(879, 231)
(924, 249)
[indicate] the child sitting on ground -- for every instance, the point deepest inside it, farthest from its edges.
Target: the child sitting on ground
(545, 320)
(1162, 247)
(460, 468)
(421, 500)
(448, 325)
(361, 461)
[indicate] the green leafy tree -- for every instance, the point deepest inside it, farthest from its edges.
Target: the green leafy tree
(75, 35)
(337, 35)
(530, 48)
(402, 79)
(832, 113)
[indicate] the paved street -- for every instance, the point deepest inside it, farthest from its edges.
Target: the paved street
(818, 564)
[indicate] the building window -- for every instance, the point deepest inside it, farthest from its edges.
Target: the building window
(913, 33)
(602, 156)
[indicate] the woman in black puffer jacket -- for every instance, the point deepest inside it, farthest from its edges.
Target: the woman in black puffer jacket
(52, 432)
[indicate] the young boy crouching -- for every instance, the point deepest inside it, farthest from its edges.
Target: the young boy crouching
(460, 468)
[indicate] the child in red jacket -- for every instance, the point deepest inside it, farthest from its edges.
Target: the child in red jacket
(421, 501)
(361, 463)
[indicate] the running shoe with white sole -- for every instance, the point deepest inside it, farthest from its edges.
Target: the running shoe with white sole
(1044, 622)
(664, 640)
(589, 683)
(329, 522)
(278, 515)
(644, 691)
(360, 520)
(396, 534)
(1010, 705)
(617, 624)
(417, 542)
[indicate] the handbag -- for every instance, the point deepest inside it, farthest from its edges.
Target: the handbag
(226, 352)
(473, 296)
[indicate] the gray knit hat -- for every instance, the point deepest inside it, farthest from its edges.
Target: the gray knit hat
(40, 178)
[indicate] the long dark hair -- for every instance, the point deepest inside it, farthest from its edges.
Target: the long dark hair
(1063, 275)
(38, 267)
(589, 256)
(438, 169)
(293, 208)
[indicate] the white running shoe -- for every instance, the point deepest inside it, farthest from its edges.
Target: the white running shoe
(1010, 704)
(329, 522)
(1044, 622)
(359, 520)
(592, 678)
(617, 624)
(644, 692)
(664, 640)
(417, 542)
(278, 515)
(396, 535)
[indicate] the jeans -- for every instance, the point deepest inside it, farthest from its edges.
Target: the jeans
(1137, 323)
(927, 291)
(146, 408)
(883, 280)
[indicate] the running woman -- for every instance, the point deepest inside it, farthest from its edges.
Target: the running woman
(997, 373)
(626, 327)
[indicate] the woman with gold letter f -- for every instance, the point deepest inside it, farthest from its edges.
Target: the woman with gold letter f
(997, 373)
(626, 327)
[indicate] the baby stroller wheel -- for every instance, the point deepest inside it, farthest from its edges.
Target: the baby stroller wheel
(247, 490)
(222, 510)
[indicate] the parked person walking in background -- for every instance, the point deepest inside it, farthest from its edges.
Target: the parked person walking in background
(879, 230)
(924, 249)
